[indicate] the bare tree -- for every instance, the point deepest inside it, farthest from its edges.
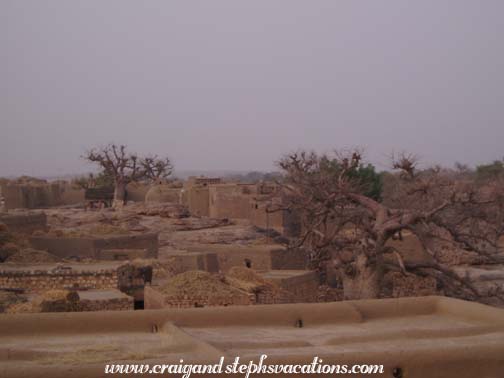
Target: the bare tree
(156, 168)
(342, 224)
(125, 167)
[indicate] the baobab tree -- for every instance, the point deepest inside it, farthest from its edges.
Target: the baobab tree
(126, 167)
(343, 225)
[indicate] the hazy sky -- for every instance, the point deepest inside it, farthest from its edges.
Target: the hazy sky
(235, 84)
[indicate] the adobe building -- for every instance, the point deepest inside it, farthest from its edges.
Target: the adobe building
(259, 203)
(30, 193)
(240, 286)
(195, 194)
(434, 337)
(105, 285)
(271, 274)
(261, 257)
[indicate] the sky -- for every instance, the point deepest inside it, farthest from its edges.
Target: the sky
(234, 85)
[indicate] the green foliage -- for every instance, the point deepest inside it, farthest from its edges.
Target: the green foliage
(365, 176)
(490, 171)
(370, 181)
(104, 180)
(101, 180)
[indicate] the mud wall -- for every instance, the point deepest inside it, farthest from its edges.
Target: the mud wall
(137, 191)
(65, 247)
(292, 259)
(123, 254)
(231, 201)
(119, 303)
(233, 255)
(163, 193)
(261, 218)
(259, 259)
(198, 201)
(473, 347)
(303, 287)
(148, 241)
(92, 248)
(71, 196)
(270, 297)
(40, 195)
(25, 223)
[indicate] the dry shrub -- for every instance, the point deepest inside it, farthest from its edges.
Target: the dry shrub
(21, 308)
(8, 298)
(247, 279)
(48, 301)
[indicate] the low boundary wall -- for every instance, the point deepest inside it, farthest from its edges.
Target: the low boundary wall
(96, 248)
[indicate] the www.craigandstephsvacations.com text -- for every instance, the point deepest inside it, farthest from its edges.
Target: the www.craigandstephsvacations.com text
(183, 370)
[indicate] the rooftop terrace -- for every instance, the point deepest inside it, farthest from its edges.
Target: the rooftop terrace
(429, 336)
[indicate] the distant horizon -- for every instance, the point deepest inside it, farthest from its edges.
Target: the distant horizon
(227, 85)
(185, 173)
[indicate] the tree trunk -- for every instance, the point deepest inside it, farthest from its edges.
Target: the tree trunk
(362, 281)
(119, 194)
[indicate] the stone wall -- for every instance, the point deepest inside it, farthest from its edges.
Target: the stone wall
(154, 299)
(105, 300)
(41, 280)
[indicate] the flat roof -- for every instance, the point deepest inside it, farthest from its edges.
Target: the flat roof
(426, 336)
